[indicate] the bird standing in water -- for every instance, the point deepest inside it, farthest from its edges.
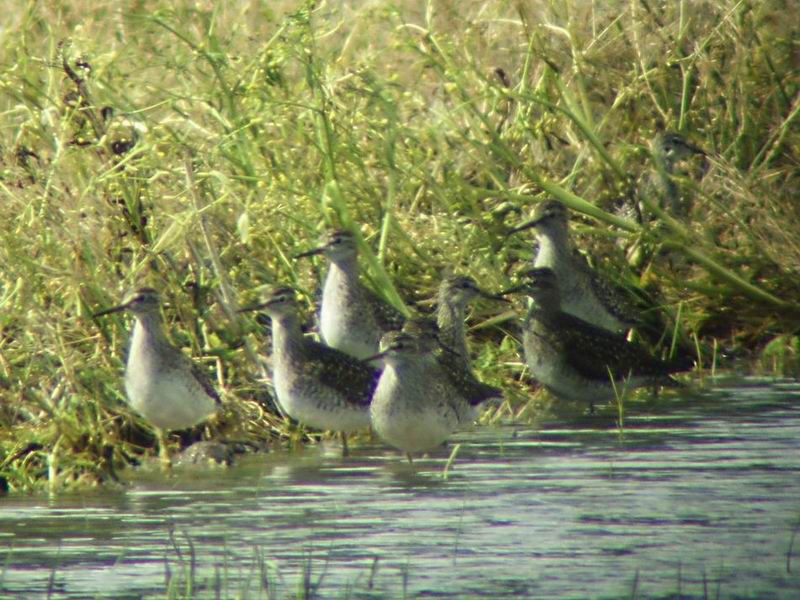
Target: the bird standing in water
(417, 405)
(584, 292)
(162, 383)
(316, 385)
(577, 360)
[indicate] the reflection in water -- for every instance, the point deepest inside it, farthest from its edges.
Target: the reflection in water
(700, 495)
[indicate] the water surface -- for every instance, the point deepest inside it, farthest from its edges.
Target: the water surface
(699, 497)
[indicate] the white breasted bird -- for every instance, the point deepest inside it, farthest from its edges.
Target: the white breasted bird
(162, 384)
(316, 385)
(352, 317)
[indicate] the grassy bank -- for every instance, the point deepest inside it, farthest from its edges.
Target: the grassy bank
(237, 134)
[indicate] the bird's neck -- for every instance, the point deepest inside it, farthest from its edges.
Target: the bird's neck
(409, 370)
(450, 319)
(287, 337)
(149, 329)
(663, 162)
(554, 245)
(664, 168)
(545, 309)
(148, 334)
(344, 267)
(342, 279)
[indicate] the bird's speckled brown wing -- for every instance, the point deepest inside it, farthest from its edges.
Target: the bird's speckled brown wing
(204, 381)
(474, 391)
(355, 379)
(613, 297)
(387, 317)
(593, 351)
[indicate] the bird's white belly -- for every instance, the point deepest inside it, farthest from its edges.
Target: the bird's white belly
(345, 321)
(167, 402)
(412, 432)
(409, 424)
(338, 333)
(322, 409)
(548, 368)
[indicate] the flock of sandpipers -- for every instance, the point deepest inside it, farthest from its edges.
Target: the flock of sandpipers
(410, 380)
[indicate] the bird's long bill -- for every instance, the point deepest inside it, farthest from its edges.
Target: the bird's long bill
(696, 149)
(525, 225)
(253, 307)
(516, 289)
(312, 252)
(113, 309)
(531, 273)
(378, 356)
(500, 296)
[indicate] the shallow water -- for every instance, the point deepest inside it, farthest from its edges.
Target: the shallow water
(700, 497)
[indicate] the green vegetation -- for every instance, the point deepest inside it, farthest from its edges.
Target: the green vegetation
(193, 572)
(237, 132)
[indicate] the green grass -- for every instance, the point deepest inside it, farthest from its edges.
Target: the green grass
(431, 130)
(192, 571)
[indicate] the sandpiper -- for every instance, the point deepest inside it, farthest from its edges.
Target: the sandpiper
(577, 360)
(162, 383)
(584, 292)
(315, 384)
(455, 292)
(352, 317)
(417, 405)
(668, 149)
(457, 370)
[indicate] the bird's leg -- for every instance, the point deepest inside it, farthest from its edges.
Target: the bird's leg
(345, 449)
(410, 460)
(163, 449)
